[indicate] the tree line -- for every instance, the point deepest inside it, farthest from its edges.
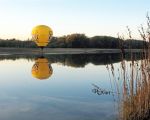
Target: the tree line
(78, 41)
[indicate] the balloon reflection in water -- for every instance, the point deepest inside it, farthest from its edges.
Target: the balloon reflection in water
(42, 69)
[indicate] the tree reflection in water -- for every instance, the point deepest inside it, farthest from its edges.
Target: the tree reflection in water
(76, 60)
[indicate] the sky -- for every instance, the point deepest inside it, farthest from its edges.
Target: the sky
(90, 17)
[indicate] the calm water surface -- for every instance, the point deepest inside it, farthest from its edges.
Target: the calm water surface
(61, 87)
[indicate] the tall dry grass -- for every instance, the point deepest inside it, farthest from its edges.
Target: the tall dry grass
(134, 102)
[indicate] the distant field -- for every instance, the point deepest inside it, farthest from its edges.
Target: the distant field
(7, 51)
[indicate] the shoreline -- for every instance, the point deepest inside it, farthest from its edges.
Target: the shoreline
(36, 51)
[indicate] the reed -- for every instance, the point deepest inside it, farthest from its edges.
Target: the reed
(134, 78)
(135, 103)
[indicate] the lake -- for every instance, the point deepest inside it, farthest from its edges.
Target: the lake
(60, 87)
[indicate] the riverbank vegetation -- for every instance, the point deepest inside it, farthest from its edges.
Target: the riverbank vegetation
(78, 41)
(133, 81)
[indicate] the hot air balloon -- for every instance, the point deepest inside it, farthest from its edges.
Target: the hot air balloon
(42, 69)
(41, 35)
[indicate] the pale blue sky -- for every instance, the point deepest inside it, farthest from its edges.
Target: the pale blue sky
(92, 17)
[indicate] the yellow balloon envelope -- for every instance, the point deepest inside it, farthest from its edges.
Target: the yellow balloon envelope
(42, 69)
(41, 34)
